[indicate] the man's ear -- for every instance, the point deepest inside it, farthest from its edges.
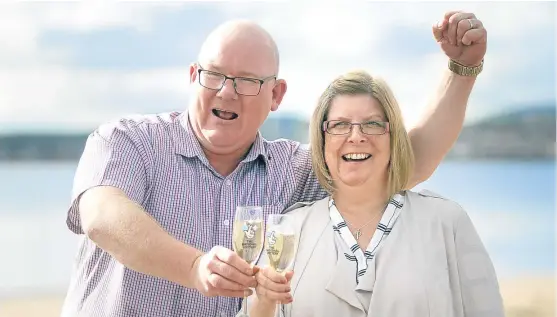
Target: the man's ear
(193, 73)
(278, 93)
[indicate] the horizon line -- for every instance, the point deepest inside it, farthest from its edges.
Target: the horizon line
(52, 127)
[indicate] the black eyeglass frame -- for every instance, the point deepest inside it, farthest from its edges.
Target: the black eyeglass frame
(225, 78)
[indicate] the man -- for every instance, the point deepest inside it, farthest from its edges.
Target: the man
(154, 197)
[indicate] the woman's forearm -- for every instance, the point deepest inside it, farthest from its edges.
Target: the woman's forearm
(262, 307)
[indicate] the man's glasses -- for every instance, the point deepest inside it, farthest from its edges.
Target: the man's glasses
(242, 85)
(338, 127)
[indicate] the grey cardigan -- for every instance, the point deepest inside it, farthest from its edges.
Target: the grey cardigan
(432, 264)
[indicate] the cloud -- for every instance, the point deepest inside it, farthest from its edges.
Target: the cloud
(83, 98)
(39, 85)
(43, 83)
(21, 25)
(321, 41)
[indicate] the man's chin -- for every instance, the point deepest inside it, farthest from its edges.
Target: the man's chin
(222, 139)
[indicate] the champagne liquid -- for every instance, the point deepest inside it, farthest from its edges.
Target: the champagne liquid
(247, 239)
(280, 249)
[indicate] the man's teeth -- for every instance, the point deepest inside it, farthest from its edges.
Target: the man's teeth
(225, 115)
(356, 156)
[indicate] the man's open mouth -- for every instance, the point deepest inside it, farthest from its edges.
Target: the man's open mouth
(224, 115)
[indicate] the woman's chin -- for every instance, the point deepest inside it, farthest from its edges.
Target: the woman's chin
(354, 182)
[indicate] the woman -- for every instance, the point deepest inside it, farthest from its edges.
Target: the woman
(373, 248)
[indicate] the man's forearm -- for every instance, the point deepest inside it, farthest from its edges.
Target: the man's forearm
(436, 133)
(123, 229)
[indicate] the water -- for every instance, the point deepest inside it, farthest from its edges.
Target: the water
(511, 203)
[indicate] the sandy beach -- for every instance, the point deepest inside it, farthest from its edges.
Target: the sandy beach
(529, 296)
(524, 297)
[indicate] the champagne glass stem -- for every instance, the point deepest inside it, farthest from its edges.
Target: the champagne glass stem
(277, 305)
(245, 306)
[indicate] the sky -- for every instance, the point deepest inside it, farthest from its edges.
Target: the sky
(69, 66)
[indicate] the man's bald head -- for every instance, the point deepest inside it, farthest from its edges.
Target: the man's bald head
(226, 120)
(241, 33)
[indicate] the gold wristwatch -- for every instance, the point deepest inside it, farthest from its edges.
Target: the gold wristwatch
(464, 70)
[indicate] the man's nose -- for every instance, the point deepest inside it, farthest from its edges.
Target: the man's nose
(227, 91)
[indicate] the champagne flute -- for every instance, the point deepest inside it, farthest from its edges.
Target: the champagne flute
(281, 242)
(247, 238)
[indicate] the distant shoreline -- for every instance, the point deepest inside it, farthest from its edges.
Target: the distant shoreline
(525, 136)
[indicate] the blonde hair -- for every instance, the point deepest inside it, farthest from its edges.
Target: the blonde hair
(361, 83)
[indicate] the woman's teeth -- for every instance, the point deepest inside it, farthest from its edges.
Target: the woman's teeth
(356, 156)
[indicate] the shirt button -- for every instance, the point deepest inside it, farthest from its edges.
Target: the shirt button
(228, 182)
(226, 222)
(223, 313)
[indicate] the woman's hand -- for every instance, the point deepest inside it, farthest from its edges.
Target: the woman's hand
(462, 37)
(273, 287)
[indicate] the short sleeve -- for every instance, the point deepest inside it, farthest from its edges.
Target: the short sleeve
(308, 188)
(113, 156)
(478, 280)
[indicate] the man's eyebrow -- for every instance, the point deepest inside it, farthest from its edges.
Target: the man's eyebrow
(211, 67)
(215, 68)
(248, 74)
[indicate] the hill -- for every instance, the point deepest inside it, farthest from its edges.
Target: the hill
(527, 134)
(50, 146)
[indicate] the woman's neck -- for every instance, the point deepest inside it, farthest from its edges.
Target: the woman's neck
(360, 203)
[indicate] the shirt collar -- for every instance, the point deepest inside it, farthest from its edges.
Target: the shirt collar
(187, 144)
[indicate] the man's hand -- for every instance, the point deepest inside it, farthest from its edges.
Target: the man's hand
(462, 37)
(221, 272)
